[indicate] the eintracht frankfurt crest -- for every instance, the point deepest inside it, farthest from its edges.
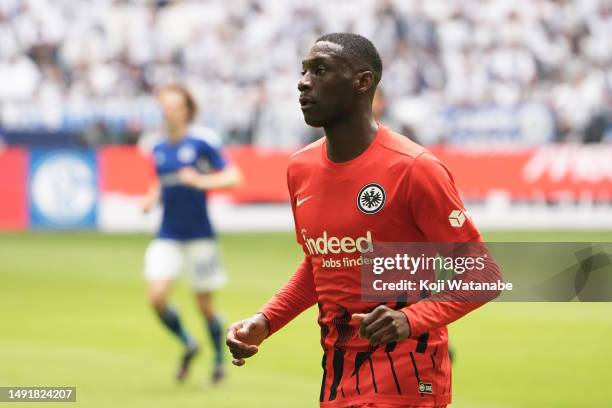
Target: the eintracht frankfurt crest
(371, 198)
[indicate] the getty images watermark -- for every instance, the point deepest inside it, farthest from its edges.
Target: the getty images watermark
(479, 272)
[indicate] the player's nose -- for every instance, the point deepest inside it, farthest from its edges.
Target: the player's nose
(304, 83)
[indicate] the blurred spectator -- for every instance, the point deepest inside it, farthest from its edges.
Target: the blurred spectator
(522, 71)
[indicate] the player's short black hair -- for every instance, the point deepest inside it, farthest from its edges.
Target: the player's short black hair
(359, 48)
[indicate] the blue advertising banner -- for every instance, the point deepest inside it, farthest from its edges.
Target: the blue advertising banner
(63, 189)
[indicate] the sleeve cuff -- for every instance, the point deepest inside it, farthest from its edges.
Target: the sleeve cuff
(270, 328)
(411, 323)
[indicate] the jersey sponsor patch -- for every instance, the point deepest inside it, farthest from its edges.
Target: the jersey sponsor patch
(371, 198)
(456, 218)
(425, 388)
(169, 179)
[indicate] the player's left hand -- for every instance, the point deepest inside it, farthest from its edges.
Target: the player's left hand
(189, 176)
(383, 325)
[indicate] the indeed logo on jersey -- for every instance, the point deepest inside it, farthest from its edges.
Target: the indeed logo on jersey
(334, 245)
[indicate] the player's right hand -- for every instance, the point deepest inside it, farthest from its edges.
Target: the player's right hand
(244, 337)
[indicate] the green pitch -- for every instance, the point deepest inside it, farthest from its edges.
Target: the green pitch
(73, 312)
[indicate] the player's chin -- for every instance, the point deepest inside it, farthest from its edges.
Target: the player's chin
(313, 120)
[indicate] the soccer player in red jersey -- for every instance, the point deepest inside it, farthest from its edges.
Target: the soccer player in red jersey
(360, 184)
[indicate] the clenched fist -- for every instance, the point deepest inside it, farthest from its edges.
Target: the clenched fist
(244, 337)
(383, 325)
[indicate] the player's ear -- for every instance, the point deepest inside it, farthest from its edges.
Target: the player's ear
(364, 80)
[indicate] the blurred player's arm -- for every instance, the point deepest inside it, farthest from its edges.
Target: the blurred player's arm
(229, 176)
(224, 175)
(151, 198)
(244, 337)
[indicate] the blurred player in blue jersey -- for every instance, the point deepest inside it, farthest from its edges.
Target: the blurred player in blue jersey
(188, 163)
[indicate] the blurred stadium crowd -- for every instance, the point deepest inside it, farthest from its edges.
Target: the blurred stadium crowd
(465, 71)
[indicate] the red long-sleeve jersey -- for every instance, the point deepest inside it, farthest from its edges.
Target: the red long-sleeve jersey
(395, 191)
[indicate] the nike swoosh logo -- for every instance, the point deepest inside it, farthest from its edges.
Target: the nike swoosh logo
(299, 202)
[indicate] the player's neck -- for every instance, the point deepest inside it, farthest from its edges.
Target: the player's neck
(176, 132)
(348, 139)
